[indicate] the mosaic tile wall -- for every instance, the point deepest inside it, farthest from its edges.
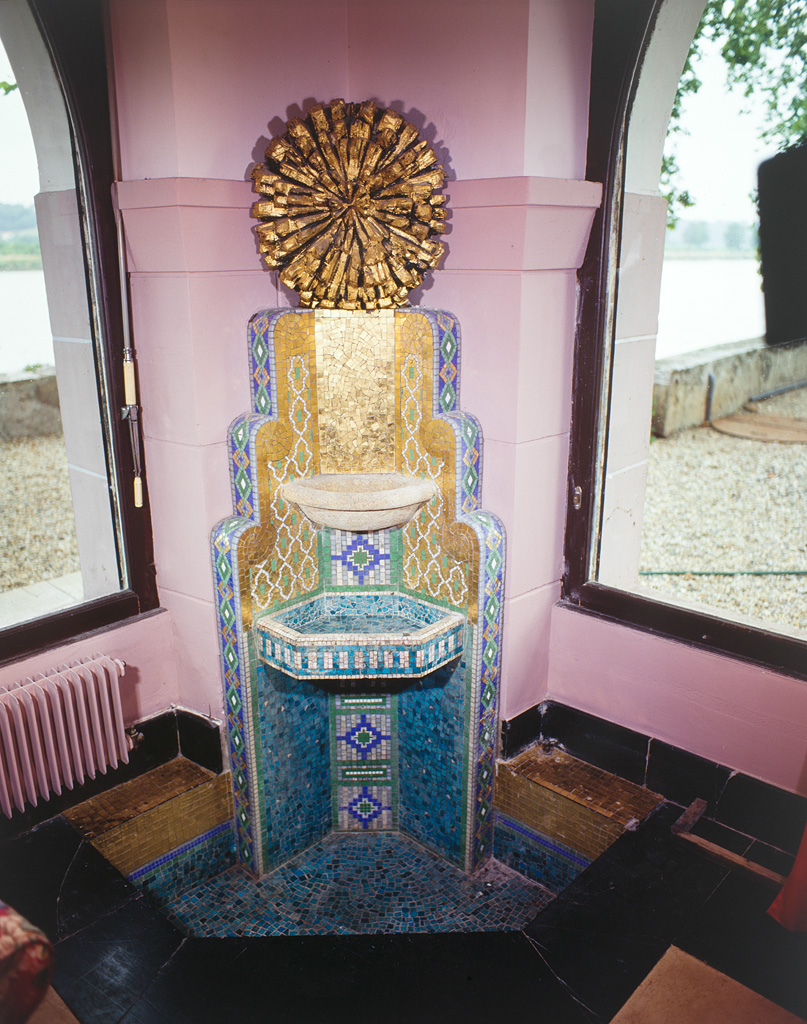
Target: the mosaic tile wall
(568, 802)
(295, 738)
(364, 762)
(434, 719)
(191, 864)
(534, 855)
(151, 834)
(333, 391)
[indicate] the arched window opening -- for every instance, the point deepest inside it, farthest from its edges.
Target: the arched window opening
(690, 531)
(76, 549)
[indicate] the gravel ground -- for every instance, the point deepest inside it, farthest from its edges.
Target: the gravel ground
(714, 503)
(719, 503)
(37, 533)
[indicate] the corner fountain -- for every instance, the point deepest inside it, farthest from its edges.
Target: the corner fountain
(359, 584)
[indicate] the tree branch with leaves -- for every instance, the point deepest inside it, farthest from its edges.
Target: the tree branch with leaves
(764, 46)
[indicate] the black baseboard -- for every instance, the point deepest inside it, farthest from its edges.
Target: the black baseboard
(742, 803)
(162, 738)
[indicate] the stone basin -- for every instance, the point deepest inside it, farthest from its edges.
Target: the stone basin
(361, 502)
(360, 636)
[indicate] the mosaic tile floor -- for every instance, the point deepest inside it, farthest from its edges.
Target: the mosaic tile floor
(349, 884)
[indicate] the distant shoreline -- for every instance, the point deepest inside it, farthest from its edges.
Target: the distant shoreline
(710, 254)
(20, 262)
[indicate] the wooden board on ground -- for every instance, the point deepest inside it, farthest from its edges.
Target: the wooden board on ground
(760, 427)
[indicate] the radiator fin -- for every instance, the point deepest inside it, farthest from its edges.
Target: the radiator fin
(58, 728)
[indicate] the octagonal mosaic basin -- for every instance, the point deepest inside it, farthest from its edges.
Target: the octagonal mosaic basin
(366, 636)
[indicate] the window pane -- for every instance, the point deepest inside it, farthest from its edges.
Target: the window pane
(57, 525)
(707, 511)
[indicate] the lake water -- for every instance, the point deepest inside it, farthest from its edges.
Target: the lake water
(708, 302)
(25, 336)
(703, 303)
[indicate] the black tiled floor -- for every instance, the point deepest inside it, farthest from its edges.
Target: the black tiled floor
(428, 979)
(734, 933)
(578, 962)
(102, 971)
(58, 881)
(722, 835)
(609, 928)
(771, 858)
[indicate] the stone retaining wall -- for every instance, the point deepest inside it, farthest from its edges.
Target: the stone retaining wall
(29, 405)
(741, 370)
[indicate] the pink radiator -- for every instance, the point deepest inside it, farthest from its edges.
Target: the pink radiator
(58, 728)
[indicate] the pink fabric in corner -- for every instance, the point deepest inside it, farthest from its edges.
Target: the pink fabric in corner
(790, 906)
(26, 964)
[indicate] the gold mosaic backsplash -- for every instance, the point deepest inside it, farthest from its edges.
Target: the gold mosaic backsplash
(289, 448)
(155, 813)
(356, 391)
(354, 394)
(427, 567)
(576, 803)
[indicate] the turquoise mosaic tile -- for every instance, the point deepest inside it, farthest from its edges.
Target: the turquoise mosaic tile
(189, 865)
(296, 763)
(262, 373)
(236, 670)
(535, 855)
(360, 635)
(354, 883)
(288, 781)
(446, 335)
(432, 754)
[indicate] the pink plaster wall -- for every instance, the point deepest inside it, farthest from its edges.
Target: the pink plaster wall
(731, 712)
(217, 73)
(145, 644)
(503, 89)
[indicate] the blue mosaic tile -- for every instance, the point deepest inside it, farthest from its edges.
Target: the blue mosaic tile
(364, 762)
(263, 730)
(360, 883)
(262, 373)
(535, 855)
(447, 344)
(359, 559)
(361, 635)
(432, 744)
(296, 763)
(365, 808)
(189, 865)
(237, 677)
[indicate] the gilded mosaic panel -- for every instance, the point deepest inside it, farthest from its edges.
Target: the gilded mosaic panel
(355, 391)
(291, 569)
(428, 568)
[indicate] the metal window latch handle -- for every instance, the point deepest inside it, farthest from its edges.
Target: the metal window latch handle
(577, 498)
(131, 413)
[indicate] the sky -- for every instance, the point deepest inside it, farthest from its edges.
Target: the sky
(720, 155)
(718, 159)
(19, 178)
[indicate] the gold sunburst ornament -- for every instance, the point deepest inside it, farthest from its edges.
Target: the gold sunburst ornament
(350, 207)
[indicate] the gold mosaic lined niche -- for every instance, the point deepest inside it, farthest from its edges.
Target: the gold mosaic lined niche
(286, 450)
(356, 391)
(354, 394)
(428, 567)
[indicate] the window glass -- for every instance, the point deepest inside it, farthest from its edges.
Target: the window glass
(58, 531)
(705, 467)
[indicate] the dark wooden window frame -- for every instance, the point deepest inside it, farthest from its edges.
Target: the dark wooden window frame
(74, 34)
(622, 31)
